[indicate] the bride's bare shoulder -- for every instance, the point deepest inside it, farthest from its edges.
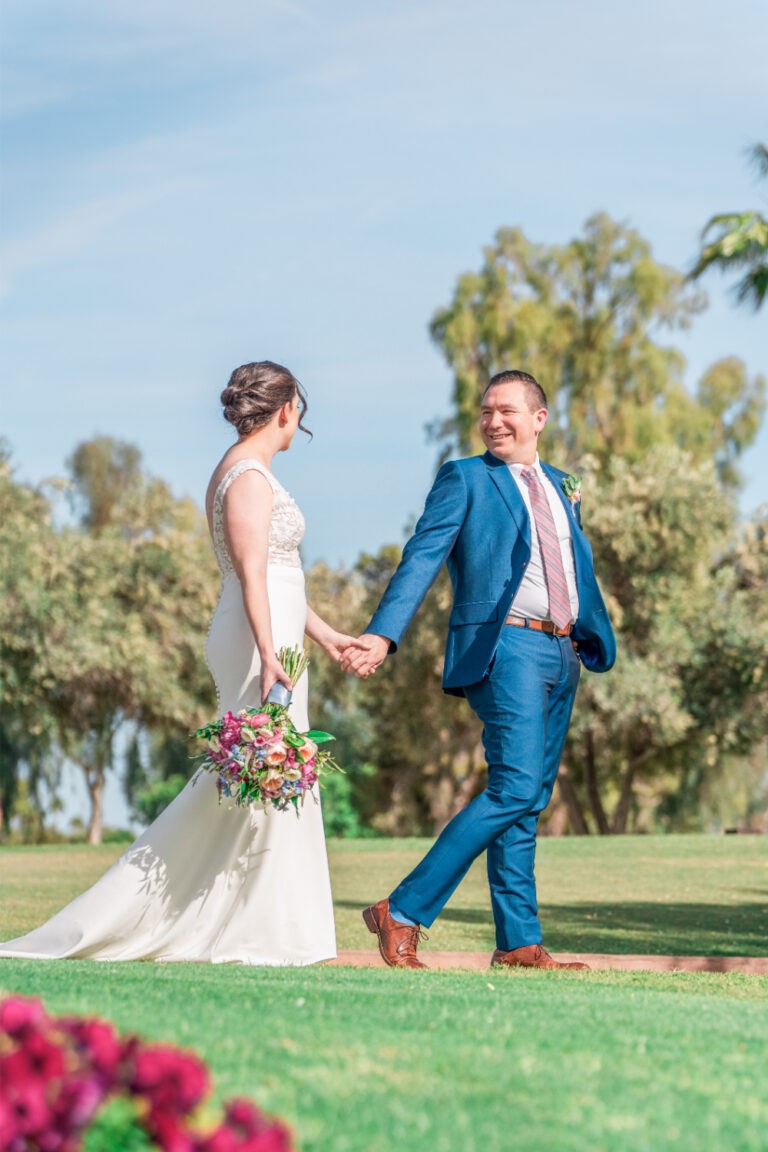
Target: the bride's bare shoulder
(228, 461)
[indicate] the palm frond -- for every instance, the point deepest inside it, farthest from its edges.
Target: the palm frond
(758, 158)
(753, 288)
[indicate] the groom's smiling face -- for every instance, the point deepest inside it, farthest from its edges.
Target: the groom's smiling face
(508, 425)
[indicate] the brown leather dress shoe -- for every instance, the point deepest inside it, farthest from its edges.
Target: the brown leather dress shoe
(397, 942)
(531, 956)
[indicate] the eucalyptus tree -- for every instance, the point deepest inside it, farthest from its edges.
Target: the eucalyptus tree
(27, 544)
(688, 691)
(102, 623)
(590, 318)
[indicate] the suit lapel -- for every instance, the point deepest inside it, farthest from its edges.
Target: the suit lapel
(510, 494)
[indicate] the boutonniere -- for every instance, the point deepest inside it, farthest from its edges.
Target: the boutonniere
(572, 489)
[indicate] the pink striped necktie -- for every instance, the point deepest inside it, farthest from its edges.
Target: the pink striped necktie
(551, 557)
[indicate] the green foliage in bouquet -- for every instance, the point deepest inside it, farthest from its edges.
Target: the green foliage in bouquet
(258, 755)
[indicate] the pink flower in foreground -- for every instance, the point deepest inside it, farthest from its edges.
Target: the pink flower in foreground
(243, 1116)
(98, 1042)
(18, 1016)
(246, 1129)
(170, 1132)
(56, 1074)
(77, 1102)
(38, 1059)
(170, 1080)
(259, 720)
(222, 1139)
(28, 1111)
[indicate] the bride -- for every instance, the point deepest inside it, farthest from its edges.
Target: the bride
(209, 881)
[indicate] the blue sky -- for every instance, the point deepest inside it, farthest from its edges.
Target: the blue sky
(187, 186)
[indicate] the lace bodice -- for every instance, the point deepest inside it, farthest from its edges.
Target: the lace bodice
(286, 529)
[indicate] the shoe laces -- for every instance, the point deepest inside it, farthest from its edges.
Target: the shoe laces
(416, 936)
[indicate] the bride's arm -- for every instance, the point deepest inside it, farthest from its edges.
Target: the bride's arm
(247, 513)
(327, 637)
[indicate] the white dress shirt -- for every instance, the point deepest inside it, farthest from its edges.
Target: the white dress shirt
(531, 599)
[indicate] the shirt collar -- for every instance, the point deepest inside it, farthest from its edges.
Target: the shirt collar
(516, 469)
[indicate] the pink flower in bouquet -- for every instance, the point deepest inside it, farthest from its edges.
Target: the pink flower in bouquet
(272, 783)
(230, 731)
(240, 747)
(307, 751)
(276, 752)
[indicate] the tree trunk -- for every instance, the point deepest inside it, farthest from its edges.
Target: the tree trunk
(95, 781)
(593, 791)
(621, 812)
(555, 821)
(576, 815)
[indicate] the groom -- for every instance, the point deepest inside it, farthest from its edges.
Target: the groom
(527, 612)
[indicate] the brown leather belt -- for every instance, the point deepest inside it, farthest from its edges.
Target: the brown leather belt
(547, 626)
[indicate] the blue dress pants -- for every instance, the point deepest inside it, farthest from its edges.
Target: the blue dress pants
(525, 705)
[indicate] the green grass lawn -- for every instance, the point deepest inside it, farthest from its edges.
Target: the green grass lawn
(370, 1060)
(681, 895)
(374, 1060)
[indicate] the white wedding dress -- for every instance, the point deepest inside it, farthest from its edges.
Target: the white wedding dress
(209, 881)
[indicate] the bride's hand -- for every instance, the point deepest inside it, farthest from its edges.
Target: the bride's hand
(272, 671)
(335, 643)
(364, 655)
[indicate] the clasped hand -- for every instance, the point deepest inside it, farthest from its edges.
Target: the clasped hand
(364, 655)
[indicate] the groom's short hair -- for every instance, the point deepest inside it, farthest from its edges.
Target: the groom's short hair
(536, 396)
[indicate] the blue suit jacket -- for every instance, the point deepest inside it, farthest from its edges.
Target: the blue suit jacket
(476, 521)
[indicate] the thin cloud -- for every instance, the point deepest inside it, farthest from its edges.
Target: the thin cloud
(70, 233)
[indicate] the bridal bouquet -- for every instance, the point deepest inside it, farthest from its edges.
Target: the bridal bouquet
(258, 755)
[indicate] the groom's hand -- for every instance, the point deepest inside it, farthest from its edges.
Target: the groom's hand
(364, 655)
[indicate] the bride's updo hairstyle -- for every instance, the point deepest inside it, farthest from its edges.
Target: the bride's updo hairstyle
(256, 391)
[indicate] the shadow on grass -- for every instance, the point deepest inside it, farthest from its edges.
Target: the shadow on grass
(658, 929)
(648, 928)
